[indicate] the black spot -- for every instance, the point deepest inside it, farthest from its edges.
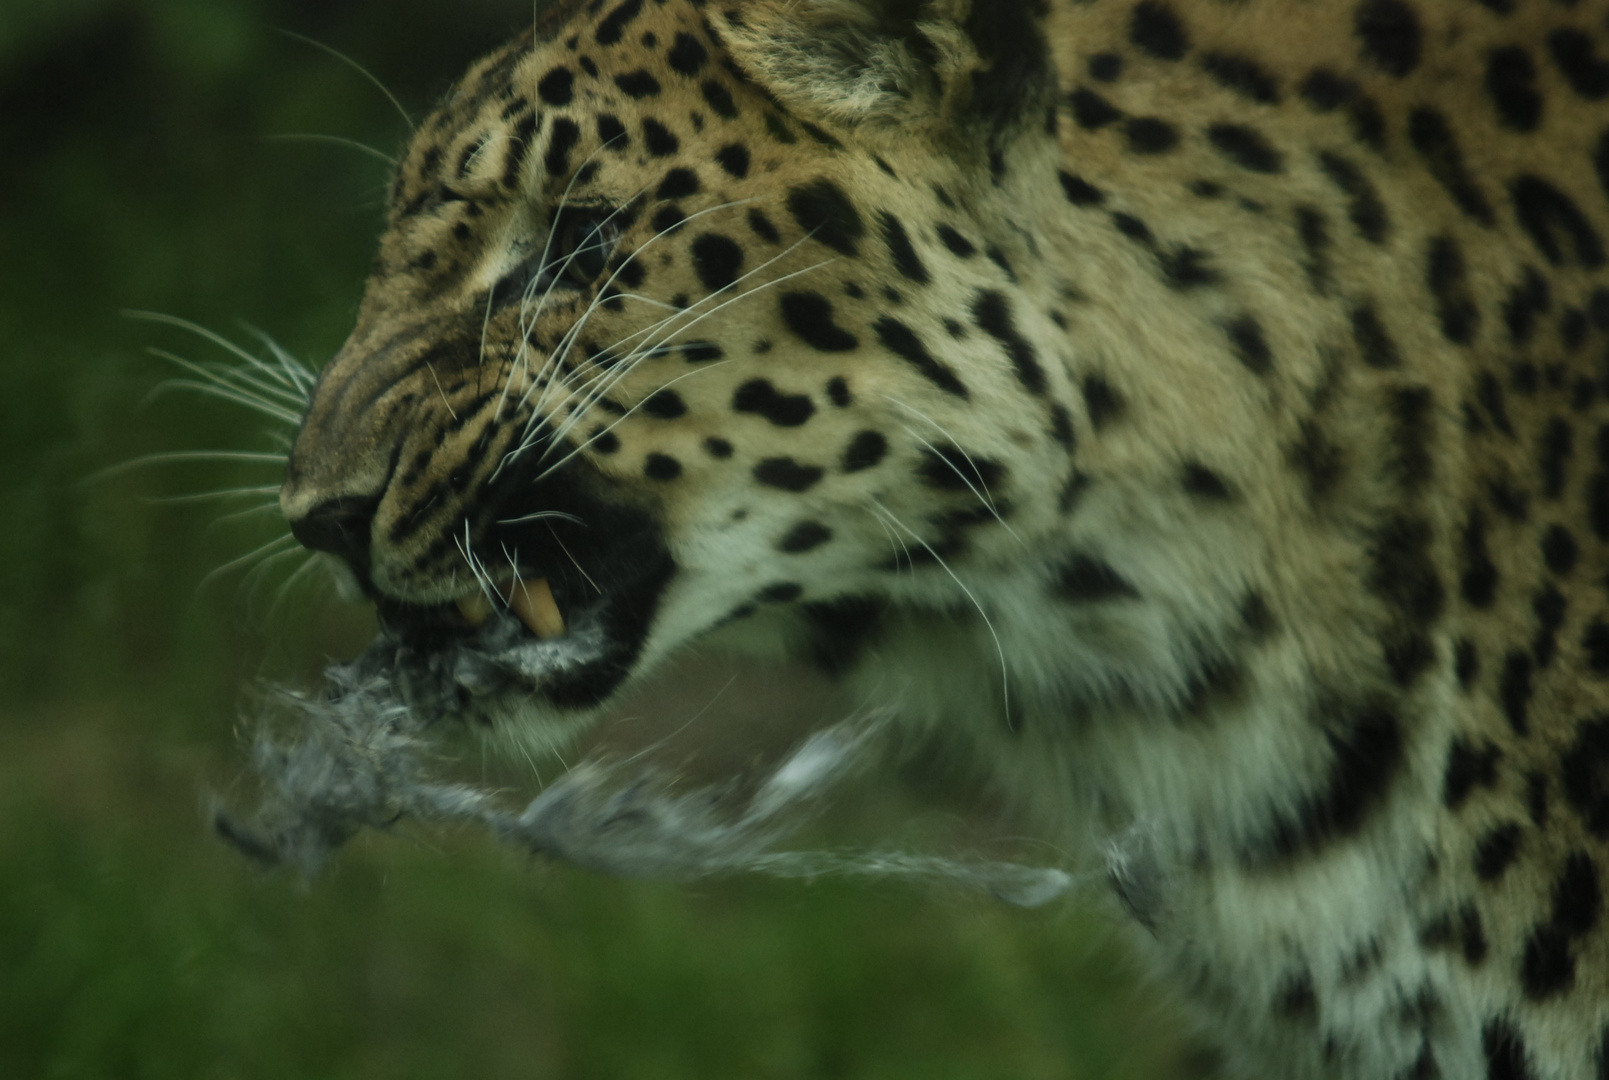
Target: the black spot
(1242, 75)
(992, 312)
(1080, 192)
(1559, 550)
(1132, 227)
(823, 210)
(1249, 345)
(1505, 1051)
(783, 592)
(734, 159)
(687, 54)
(664, 405)
(1314, 233)
(904, 255)
(1156, 30)
(763, 228)
(760, 397)
(1574, 54)
(1364, 208)
(1246, 147)
(678, 184)
(658, 138)
(1536, 798)
(1374, 343)
(604, 442)
(612, 133)
(779, 131)
(561, 139)
(1595, 643)
(1479, 581)
(1186, 268)
(866, 449)
(1105, 67)
(805, 536)
(701, 352)
(902, 341)
(1548, 605)
(959, 246)
(1514, 692)
(719, 99)
(1103, 403)
(557, 86)
(1296, 999)
(1511, 82)
(1577, 897)
(661, 467)
(1061, 426)
(1471, 935)
(1150, 135)
(1412, 417)
(1433, 138)
(1497, 851)
(838, 392)
(1365, 757)
(1468, 767)
(1447, 282)
(787, 474)
(717, 260)
(1525, 302)
(1082, 579)
(1202, 481)
(1091, 111)
(1555, 223)
(668, 219)
(809, 315)
(1573, 328)
(613, 25)
(947, 467)
(1390, 35)
(1548, 966)
(637, 84)
(1466, 662)
(1557, 444)
(1404, 573)
(717, 448)
(1584, 775)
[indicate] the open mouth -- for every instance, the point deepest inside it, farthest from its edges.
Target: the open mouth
(568, 640)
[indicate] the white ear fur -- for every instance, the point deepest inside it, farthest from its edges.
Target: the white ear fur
(847, 62)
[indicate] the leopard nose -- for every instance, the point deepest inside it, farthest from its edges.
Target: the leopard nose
(339, 526)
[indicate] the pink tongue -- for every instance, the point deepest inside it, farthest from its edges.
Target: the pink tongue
(531, 600)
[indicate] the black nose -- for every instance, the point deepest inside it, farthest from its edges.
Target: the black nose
(340, 527)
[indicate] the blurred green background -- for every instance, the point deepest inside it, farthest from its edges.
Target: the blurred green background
(143, 165)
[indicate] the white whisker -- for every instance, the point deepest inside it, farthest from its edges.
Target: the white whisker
(359, 68)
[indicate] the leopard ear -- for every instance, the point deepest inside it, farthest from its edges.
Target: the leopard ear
(973, 65)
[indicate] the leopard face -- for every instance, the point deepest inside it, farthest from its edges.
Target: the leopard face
(1197, 413)
(614, 343)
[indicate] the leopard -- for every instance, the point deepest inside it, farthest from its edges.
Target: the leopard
(1192, 415)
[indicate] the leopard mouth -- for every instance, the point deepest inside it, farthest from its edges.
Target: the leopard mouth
(546, 640)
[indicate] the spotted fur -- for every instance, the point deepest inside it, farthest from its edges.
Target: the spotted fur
(1199, 413)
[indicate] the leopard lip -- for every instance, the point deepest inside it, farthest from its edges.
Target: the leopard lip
(529, 599)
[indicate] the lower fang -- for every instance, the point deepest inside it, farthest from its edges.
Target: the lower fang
(475, 608)
(532, 600)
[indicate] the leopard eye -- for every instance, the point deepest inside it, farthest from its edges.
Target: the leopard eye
(584, 241)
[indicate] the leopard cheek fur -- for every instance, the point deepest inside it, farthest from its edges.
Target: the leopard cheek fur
(1196, 413)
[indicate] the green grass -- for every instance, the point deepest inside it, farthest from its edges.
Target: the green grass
(138, 174)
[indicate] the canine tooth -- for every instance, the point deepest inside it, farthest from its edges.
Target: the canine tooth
(475, 608)
(532, 600)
